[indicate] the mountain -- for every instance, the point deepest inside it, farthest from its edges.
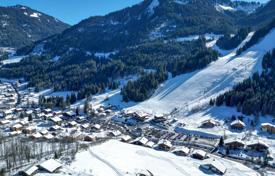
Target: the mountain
(149, 20)
(262, 16)
(20, 26)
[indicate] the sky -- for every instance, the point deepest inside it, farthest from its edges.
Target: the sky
(73, 11)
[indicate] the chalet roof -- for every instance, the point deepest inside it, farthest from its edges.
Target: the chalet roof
(48, 136)
(200, 152)
(165, 142)
(50, 165)
(142, 140)
(30, 171)
(56, 119)
(182, 149)
(217, 165)
(233, 140)
(150, 144)
(267, 124)
(259, 142)
(36, 135)
(126, 138)
(237, 122)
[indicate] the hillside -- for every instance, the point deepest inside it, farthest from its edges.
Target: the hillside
(149, 20)
(20, 26)
(194, 89)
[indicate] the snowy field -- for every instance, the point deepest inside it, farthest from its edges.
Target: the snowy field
(192, 89)
(114, 158)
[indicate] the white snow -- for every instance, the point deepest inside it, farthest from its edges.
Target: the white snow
(181, 2)
(123, 159)
(207, 36)
(35, 15)
(14, 59)
(192, 89)
(222, 8)
(152, 6)
(105, 55)
(63, 94)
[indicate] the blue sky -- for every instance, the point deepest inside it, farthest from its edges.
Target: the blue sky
(73, 11)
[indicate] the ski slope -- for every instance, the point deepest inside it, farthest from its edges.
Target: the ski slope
(123, 159)
(197, 88)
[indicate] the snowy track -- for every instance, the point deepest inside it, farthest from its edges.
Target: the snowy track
(192, 89)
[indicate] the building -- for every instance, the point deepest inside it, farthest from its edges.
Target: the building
(29, 130)
(16, 127)
(165, 145)
(142, 141)
(209, 124)
(215, 166)
(90, 138)
(125, 138)
(30, 171)
(237, 125)
(258, 146)
(267, 127)
(159, 118)
(50, 166)
(181, 151)
(199, 154)
(233, 144)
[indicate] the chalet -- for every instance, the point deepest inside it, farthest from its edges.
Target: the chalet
(125, 138)
(44, 132)
(181, 151)
(37, 110)
(209, 124)
(36, 135)
(72, 124)
(80, 119)
(108, 111)
(29, 112)
(165, 145)
(85, 126)
(90, 138)
(30, 171)
(233, 144)
(102, 114)
(16, 127)
(140, 116)
(259, 146)
(267, 127)
(48, 136)
(69, 114)
(237, 125)
(142, 141)
(150, 144)
(199, 154)
(115, 133)
(47, 111)
(5, 122)
(215, 166)
(29, 130)
(50, 166)
(159, 118)
(96, 127)
(14, 133)
(54, 128)
(56, 120)
(58, 112)
(128, 113)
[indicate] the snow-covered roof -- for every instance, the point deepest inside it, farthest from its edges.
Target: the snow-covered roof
(182, 149)
(30, 171)
(231, 140)
(50, 165)
(218, 165)
(200, 152)
(165, 142)
(237, 122)
(257, 142)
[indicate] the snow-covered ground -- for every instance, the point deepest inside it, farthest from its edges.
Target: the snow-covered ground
(13, 59)
(192, 89)
(114, 158)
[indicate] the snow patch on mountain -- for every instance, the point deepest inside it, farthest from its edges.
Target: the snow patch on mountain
(152, 6)
(35, 15)
(181, 2)
(221, 8)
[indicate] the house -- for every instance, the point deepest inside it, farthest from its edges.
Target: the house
(50, 165)
(56, 120)
(159, 118)
(29, 130)
(150, 144)
(115, 133)
(47, 111)
(16, 127)
(5, 122)
(90, 138)
(181, 151)
(258, 146)
(142, 141)
(199, 154)
(125, 138)
(69, 114)
(44, 132)
(215, 166)
(54, 128)
(237, 125)
(36, 135)
(48, 136)
(234, 144)
(267, 127)
(85, 126)
(165, 145)
(95, 127)
(72, 124)
(140, 116)
(30, 171)
(208, 123)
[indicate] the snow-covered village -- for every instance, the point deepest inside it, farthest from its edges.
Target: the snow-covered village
(142, 88)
